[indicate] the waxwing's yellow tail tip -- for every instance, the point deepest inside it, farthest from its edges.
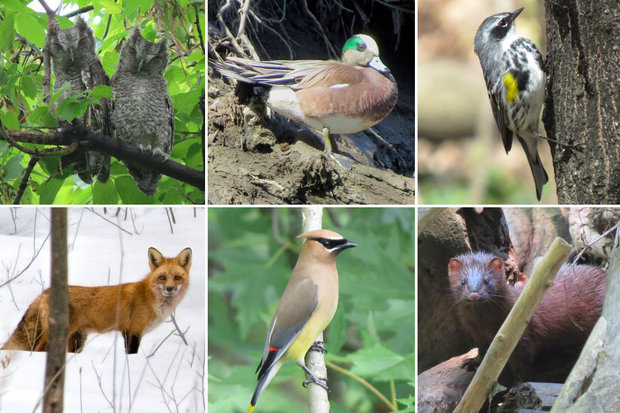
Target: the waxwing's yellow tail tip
(250, 408)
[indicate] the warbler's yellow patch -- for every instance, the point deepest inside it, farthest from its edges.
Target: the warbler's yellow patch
(250, 409)
(512, 89)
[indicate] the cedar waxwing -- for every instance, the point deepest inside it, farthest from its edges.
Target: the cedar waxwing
(306, 308)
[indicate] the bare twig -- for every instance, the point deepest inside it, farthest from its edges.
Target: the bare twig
(108, 220)
(81, 10)
(36, 254)
(330, 49)
(160, 344)
(181, 333)
(169, 220)
(198, 28)
(25, 178)
(47, 8)
(245, 6)
(391, 405)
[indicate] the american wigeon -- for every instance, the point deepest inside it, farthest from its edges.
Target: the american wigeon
(326, 95)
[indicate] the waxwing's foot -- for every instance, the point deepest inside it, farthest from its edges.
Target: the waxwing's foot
(318, 346)
(319, 381)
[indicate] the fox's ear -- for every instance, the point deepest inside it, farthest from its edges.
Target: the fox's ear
(185, 258)
(155, 258)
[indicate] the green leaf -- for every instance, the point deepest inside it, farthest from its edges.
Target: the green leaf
(337, 331)
(28, 87)
(7, 32)
(131, 7)
(9, 120)
(41, 116)
(30, 28)
(130, 193)
(70, 109)
(49, 165)
(101, 91)
(13, 169)
(186, 102)
(409, 404)
(109, 62)
(16, 5)
(109, 7)
(381, 364)
(47, 192)
(105, 194)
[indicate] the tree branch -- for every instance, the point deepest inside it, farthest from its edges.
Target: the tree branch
(318, 401)
(87, 140)
(81, 10)
(25, 178)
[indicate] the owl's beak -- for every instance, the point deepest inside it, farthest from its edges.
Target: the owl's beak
(140, 64)
(72, 55)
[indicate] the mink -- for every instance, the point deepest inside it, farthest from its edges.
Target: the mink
(560, 325)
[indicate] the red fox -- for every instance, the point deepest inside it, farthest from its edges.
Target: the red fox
(131, 308)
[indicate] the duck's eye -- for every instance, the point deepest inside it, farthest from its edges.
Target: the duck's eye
(503, 23)
(361, 47)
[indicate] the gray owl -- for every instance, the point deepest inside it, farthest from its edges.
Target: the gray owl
(143, 114)
(72, 52)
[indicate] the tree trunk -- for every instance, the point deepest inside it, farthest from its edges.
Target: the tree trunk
(583, 61)
(592, 384)
(58, 316)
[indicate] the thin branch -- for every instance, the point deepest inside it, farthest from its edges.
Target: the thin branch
(364, 383)
(25, 178)
(47, 8)
(81, 10)
(181, 333)
(202, 43)
(36, 254)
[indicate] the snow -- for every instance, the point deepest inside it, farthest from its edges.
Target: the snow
(106, 247)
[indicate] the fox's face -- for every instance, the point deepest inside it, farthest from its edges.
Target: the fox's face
(169, 284)
(170, 276)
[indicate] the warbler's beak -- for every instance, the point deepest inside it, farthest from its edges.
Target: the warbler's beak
(516, 13)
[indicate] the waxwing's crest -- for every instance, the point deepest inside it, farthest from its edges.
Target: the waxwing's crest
(320, 233)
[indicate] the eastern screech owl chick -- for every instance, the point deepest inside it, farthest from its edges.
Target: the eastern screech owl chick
(72, 52)
(143, 114)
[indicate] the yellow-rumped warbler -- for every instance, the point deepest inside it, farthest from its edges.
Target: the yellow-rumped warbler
(513, 71)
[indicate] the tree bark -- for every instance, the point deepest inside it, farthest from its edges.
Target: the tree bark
(581, 107)
(592, 384)
(58, 316)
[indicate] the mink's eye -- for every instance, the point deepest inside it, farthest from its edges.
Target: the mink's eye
(177, 278)
(463, 281)
(485, 281)
(162, 277)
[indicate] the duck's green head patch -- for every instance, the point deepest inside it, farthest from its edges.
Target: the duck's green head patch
(354, 43)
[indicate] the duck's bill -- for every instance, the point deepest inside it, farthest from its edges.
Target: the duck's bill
(378, 65)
